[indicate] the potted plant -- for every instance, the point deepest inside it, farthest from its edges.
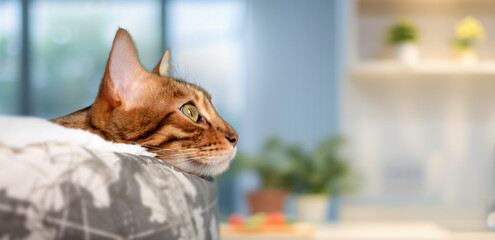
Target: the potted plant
(467, 32)
(403, 35)
(274, 172)
(323, 172)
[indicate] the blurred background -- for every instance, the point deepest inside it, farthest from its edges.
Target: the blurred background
(388, 104)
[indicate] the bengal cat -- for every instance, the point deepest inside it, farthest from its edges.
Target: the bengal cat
(168, 116)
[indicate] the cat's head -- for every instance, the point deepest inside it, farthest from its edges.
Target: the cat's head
(172, 118)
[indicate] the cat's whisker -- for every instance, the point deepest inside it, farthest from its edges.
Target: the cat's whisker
(170, 149)
(176, 154)
(195, 161)
(192, 153)
(191, 158)
(173, 153)
(173, 150)
(185, 159)
(181, 155)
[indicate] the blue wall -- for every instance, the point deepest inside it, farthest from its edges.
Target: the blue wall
(291, 79)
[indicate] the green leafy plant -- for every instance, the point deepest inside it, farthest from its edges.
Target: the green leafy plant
(325, 170)
(462, 44)
(401, 32)
(271, 164)
(291, 168)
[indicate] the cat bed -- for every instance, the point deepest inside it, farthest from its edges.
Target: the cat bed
(60, 183)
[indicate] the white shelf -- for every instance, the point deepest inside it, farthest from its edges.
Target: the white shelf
(393, 69)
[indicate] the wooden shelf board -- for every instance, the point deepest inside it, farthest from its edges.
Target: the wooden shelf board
(373, 69)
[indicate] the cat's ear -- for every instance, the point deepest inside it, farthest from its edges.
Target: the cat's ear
(163, 67)
(123, 72)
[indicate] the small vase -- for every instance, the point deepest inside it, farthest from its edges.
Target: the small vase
(267, 200)
(467, 56)
(312, 208)
(407, 53)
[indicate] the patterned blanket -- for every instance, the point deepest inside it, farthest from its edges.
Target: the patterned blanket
(56, 190)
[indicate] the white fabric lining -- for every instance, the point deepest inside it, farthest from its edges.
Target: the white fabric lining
(20, 132)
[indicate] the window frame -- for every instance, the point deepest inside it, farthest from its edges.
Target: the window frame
(25, 80)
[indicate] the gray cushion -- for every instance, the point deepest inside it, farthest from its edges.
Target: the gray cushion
(61, 191)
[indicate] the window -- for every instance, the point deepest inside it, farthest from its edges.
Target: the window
(10, 56)
(69, 46)
(71, 42)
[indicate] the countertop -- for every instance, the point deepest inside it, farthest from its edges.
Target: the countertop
(375, 231)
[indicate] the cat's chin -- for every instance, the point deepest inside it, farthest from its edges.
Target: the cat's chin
(211, 168)
(223, 163)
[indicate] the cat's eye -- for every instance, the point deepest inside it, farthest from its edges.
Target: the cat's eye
(190, 111)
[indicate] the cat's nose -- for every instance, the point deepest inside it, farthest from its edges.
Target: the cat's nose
(232, 137)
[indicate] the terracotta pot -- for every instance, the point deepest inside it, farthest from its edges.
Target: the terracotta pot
(312, 208)
(267, 200)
